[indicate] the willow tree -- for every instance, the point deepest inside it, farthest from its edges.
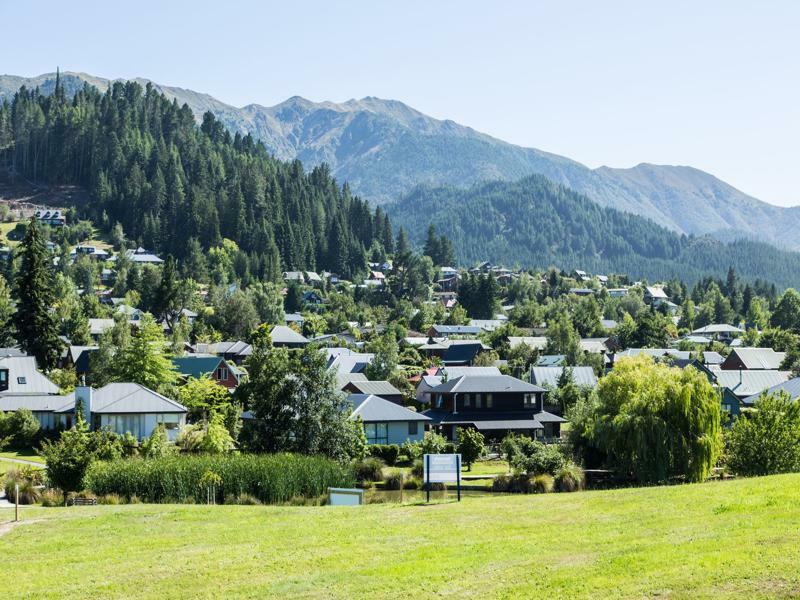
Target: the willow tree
(657, 422)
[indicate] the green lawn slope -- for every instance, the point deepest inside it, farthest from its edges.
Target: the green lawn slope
(715, 540)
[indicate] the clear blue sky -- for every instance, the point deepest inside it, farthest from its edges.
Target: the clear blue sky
(714, 85)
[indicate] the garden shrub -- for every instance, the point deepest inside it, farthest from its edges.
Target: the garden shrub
(433, 443)
(418, 469)
(542, 484)
(271, 478)
(539, 458)
(388, 453)
(393, 480)
(569, 478)
(412, 483)
(28, 479)
(369, 469)
(52, 497)
(413, 450)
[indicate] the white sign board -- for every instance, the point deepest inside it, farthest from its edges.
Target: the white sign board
(345, 497)
(442, 468)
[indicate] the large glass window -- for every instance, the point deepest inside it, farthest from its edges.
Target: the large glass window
(489, 401)
(412, 427)
(478, 400)
(377, 433)
(122, 424)
(467, 400)
(170, 421)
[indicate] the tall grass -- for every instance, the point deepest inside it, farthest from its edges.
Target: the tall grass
(272, 478)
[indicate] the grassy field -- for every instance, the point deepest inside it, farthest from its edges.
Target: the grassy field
(29, 455)
(716, 540)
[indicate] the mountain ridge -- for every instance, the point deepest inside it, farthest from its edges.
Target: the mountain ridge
(384, 148)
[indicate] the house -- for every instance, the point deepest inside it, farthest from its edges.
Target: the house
(385, 422)
(580, 275)
(98, 327)
(550, 360)
(736, 386)
(495, 405)
(581, 291)
(216, 368)
(751, 359)
(296, 276)
(347, 365)
(78, 357)
(550, 376)
(428, 381)
(722, 332)
(488, 324)
(462, 352)
(312, 297)
(448, 330)
(608, 324)
(384, 389)
(88, 250)
(19, 376)
(296, 318)
(313, 278)
(54, 217)
(142, 256)
(286, 337)
(654, 295)
(118, 407)
(617, 292)
(654, 353)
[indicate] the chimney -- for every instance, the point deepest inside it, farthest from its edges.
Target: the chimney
(83, 393)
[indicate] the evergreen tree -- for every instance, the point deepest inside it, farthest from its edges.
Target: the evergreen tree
(37, 330)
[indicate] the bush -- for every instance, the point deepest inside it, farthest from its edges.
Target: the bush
(471, 445)
(514, 446)
(387, 453)
(394, 481)
(18, 429)
(767, 440)
(541, 458)
(569, 478)
(369, 469)
(433, 443)
(28, 478)
(542, 484)
(413, 450)
(450, 448)
(110, 499)
(412, 483)
(52, 497)
(272, 479)
(518, 483)
(418, 469)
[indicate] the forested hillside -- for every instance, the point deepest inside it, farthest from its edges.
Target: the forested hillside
(534, 222)
(181, 189)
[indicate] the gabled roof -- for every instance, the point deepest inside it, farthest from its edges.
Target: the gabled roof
(791, 387)
(461, 353)
(594, 345)
(126, 398)
(487, 384)
(281, 334)
(377, 388)
(550, 360)
(140, 255)
(550, 376)
(372, 408)
(484, 421)
(747, 383)
(25, 378)
(656, 292)
(656, 353)
(36, 403)
(197, 366)
(456, 329)
(535, 342)
(759, 358)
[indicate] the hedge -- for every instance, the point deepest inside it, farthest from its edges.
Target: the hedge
(271, 478)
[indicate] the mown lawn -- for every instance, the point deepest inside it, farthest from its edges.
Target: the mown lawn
(716, 540)
(29, 455)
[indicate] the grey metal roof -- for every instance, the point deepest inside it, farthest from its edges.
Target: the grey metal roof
(373, 408)
(376, 388)
(131, 398)
(281, 334)
(492, 383)
(657, 353)
(342, 378)
(791, 387)
(721, 328)
(536, 342)
(656, 292)
(453, 372)
(36, 403)
(759, 358)
(457, 329)
(550, 376)
(494, 420)
(594, 345)
(747, 383)
(713, 358)
(550, 360)
(608, 323)
(25, 378)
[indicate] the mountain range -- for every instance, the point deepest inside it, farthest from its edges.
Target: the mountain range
(384, 149)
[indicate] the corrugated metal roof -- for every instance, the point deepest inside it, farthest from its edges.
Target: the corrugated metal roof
(372, 408)
(657, 353)
(122, 398)
(453, 372)
(197, 366)
(550, 360)
(495, 383)
(25, 378)
(746, 383)
(536, 342)
(720, 328)
(759, 358)
(35, 403)
(281, 334)
(376, 388)
(791, 387)
(550, 376)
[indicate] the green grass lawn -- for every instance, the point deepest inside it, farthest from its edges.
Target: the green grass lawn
(487, 467)
(28, 454)
(729, 539)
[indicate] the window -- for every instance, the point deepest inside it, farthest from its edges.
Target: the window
(530, 400)
(122, 424)
(222, 373)
(467, 400)
(3, 379)
(488, 401)
(439, 401)
(22, 380)
(412, 427)
(377, 433)
(169, 421)
(477, 400)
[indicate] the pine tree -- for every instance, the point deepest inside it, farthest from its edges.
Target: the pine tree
(37, 330)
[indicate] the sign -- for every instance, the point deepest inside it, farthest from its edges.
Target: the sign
(345, 497)
(442, 468)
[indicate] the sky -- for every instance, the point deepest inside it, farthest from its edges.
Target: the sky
(714, 85)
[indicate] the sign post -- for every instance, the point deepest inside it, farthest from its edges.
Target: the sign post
(16, 502)
(442, 468)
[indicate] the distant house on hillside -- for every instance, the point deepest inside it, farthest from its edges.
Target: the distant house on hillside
(53, 218)
(384, 389)
(752, 359)
(386, 422)
(142, 256)
(283, 336)
(216, 368)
